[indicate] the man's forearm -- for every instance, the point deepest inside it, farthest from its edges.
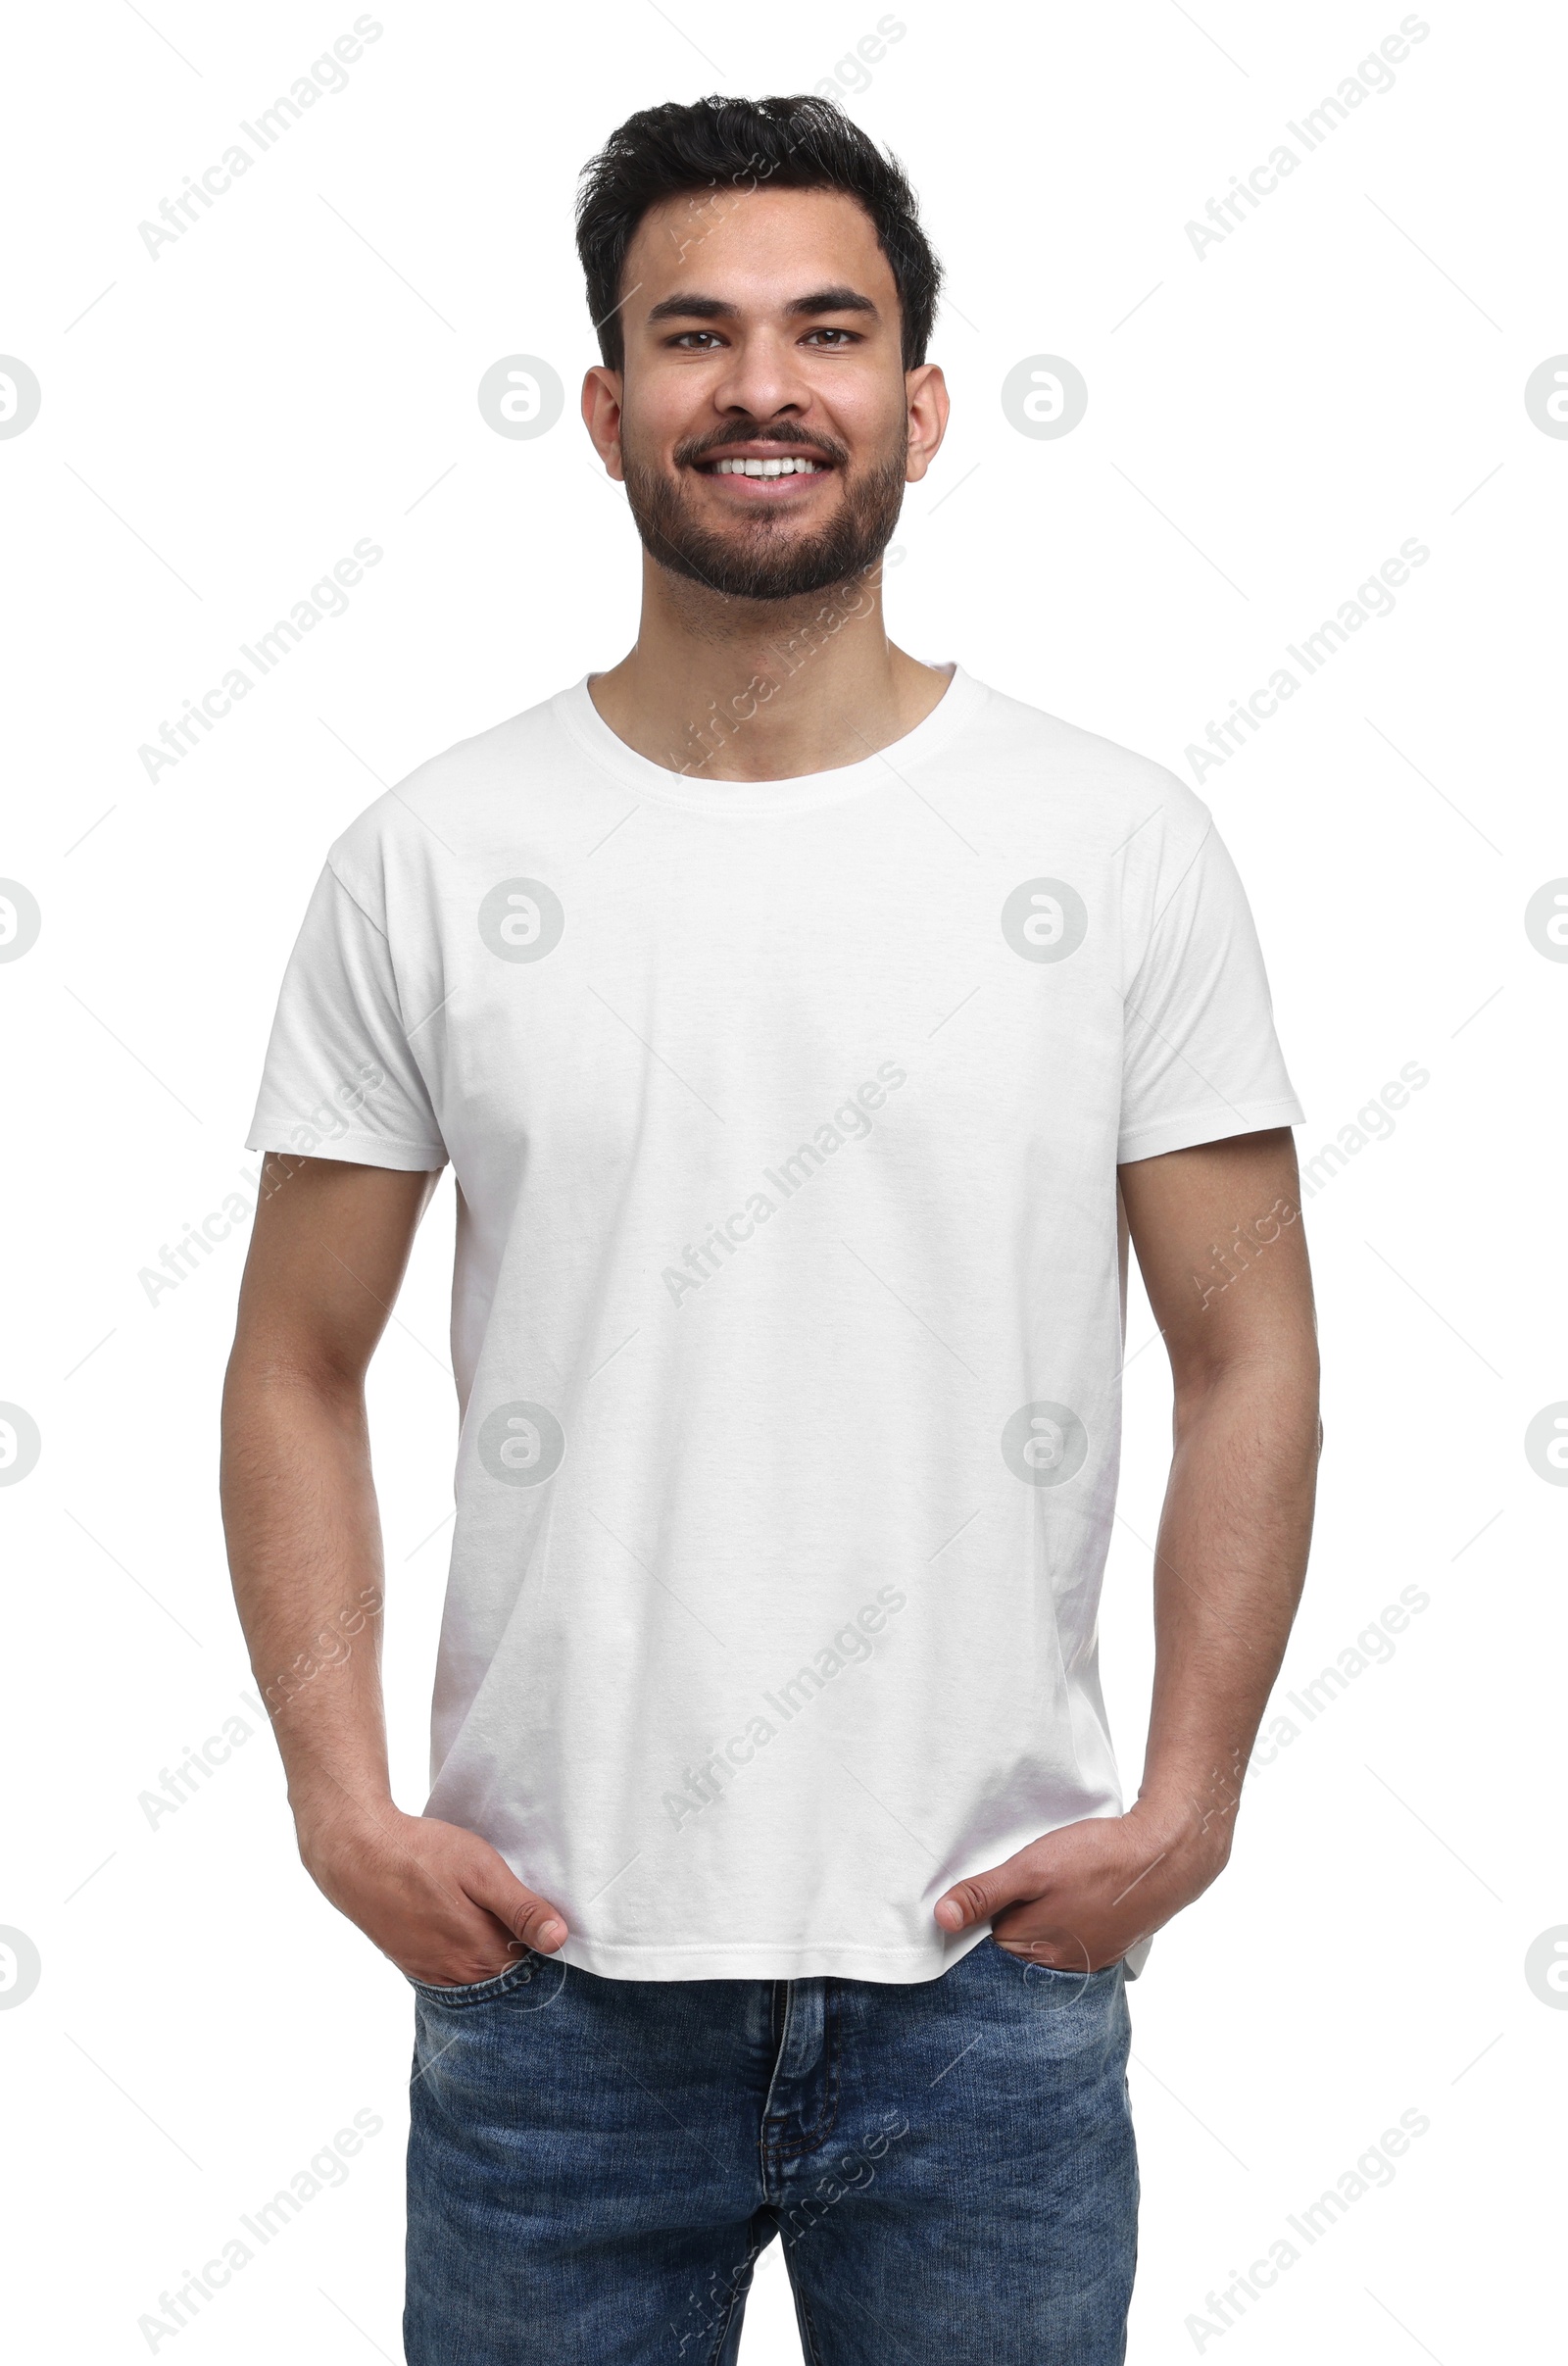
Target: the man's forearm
(1230, 1562)
(305, 1551)
(326, 1259)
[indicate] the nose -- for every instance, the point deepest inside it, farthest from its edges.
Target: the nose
(763, 380)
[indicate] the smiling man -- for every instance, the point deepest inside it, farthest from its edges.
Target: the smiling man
(808, 1028)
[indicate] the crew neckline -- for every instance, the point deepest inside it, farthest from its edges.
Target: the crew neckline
(959, 704)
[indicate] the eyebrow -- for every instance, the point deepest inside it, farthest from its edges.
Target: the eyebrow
(686, 305)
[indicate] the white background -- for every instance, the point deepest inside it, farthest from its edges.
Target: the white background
(1267, 425)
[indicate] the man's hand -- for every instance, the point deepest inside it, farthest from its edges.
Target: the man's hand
(438, 1900)
(1078, 1898)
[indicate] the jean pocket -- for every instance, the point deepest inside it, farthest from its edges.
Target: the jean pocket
(1036, 1970)
(476, 1992)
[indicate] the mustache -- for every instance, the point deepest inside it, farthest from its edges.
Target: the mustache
(782, 433)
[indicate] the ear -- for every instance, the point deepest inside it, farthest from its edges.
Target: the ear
(928, 401)
(602, 390)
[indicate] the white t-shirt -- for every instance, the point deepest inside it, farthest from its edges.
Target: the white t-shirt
(787, 1318)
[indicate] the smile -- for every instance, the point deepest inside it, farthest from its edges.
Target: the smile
(763, 468)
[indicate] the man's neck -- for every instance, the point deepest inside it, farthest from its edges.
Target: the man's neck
(724, 689)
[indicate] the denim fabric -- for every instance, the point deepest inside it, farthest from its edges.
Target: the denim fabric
(594, 2166)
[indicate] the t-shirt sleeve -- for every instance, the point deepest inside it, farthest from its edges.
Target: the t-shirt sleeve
(340, 1080)
(1200, 1059)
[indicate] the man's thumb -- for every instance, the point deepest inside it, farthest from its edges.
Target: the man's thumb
(977, 1897)
(528, 1916)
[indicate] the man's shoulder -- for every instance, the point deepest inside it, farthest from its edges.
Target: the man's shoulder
(455, 800)
(1044, 754)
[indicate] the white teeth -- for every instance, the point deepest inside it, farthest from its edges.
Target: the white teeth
(765, 467)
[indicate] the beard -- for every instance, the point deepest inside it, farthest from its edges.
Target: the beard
(766, 557)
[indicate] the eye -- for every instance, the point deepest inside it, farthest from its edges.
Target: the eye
(848, 336)
(687, 333)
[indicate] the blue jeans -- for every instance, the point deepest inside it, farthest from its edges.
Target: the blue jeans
(595, 2164)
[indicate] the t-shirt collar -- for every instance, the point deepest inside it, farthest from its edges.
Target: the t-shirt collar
(580, 719)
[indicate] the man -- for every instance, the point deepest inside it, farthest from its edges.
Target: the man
(808, 1027)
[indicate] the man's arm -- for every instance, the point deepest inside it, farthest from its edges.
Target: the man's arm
(329, 1248)
(1218, 1235)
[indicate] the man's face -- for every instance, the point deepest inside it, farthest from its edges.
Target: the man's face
(761, 326)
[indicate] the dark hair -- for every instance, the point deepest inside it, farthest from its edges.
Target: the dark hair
(804, 142)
